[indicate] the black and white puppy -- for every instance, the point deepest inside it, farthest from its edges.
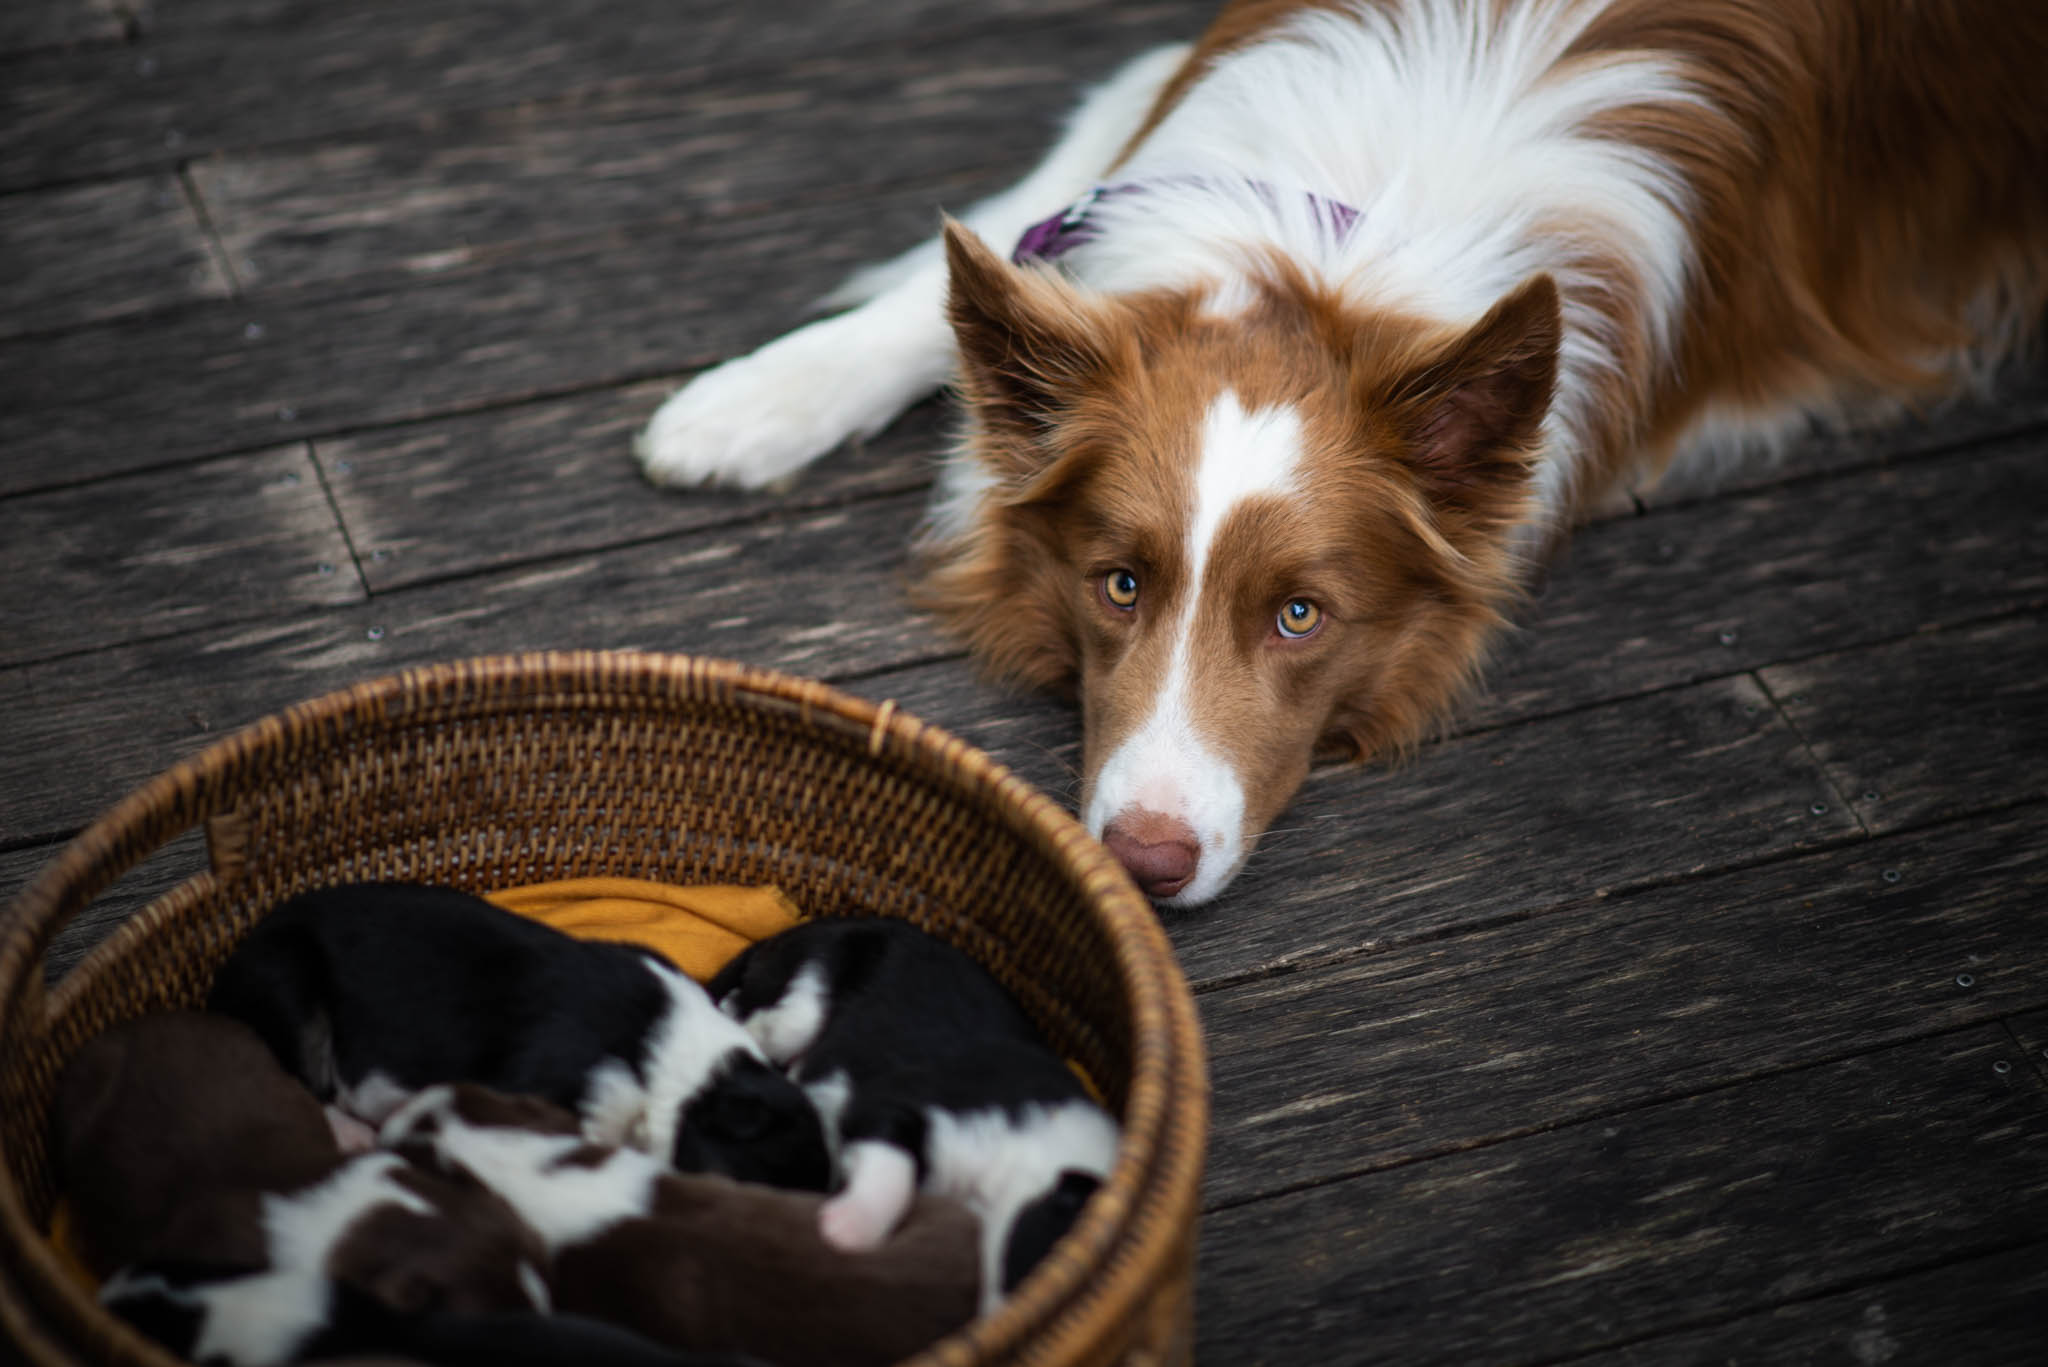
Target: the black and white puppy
(372, 991)
(930, 1077)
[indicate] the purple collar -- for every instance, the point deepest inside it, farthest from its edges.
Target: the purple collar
(1052, 238)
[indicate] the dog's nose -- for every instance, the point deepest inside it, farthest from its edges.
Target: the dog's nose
(1160, 851)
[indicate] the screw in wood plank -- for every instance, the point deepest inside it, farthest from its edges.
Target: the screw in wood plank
(174, 139)
(375, 633)
(290, 477)
(1870, 794)
(1965, 980)
(1819, 809)
(1892, 875)
(146, 67)
(287, 414)
(252, 332)
(341, 467)
(1728, 638)
(2001, 1066)
(381, 553)
(325, 568)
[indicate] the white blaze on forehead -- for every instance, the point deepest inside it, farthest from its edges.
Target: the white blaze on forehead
(1166, 765)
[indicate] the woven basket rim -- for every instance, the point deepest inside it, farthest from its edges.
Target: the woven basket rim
(1128, 1240)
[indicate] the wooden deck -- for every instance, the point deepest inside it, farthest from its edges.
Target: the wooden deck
(1688, 1003)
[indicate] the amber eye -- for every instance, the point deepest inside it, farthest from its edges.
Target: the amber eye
(1120, 588)
(1298, 618)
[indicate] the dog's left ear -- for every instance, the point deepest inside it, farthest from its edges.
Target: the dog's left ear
(1471, 415)
(1024, 346)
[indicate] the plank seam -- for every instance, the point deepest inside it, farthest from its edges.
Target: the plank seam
(215, 244)
(348, 537)
(1847, 1286)
(2036, 1059)
(1649, 1101)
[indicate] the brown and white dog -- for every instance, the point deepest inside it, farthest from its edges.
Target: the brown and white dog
(1358, 304)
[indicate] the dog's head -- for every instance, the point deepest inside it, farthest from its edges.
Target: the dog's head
(1237, 536)
(752, 1123)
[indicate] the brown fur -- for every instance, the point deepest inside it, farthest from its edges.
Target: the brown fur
(1870, 173)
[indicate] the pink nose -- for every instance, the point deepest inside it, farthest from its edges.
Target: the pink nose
(1160, 852)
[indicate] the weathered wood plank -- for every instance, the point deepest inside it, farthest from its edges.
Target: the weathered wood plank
(841, 126)
(162, 871)
(151, 391)
(154, 554)
(2031, 1030)
(537, 480)
(1697, 1210)
(32, 25)
(2016, 402)
(1930, 726)
(1637, 606)
(92, 252)
(387, 63)
(1986, 1312)
(1517, 820)
(1753, 580)
(1607, 1007)
(814, 594)
(1473, 829)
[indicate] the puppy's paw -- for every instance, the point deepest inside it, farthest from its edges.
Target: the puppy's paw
(853, 1226)
(754, 421)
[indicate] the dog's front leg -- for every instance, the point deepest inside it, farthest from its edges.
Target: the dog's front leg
(762, 417)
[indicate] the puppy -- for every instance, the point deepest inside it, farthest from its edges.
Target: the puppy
(1309, 339)
(372, 991)
(208, 1192)
(699, 1261)
(930, 1077)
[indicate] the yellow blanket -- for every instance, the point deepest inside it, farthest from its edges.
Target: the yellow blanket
(699, 928)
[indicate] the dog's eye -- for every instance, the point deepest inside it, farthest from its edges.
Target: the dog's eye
(1120, 589)
(1298, 618)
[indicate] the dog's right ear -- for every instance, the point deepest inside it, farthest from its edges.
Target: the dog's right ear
(1026, 347)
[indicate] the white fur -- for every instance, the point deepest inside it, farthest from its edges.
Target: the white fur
(881, 1182)
(759, 418)
(693, 1043)
(1168, 765)
(374, 1097)
(687, 1047)
(829, 1095)
(564, 1205)
(265, 1317)
(790, 1026)
(997, 1166)
(1463, 148)
(255, 1321)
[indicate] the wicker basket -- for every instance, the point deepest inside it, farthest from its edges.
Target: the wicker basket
(504, 771)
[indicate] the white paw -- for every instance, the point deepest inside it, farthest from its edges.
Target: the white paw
(853, 1226)
(757, 419)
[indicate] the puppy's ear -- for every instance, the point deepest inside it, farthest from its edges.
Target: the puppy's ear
(1470, 416)
(1026, 346)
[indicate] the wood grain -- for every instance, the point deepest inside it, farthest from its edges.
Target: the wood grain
(837, 126)
(154, 391)
(1929, 726)
(811, 594)
(1983, 1311)
(1689, 1212)
(2030, 1033)
(244, 537)
(441, 499)
(392, 63)
(1606, 1007)
(162, 871)
(1515, 821)
(1740, 582)
(92, 252)
(33, 25)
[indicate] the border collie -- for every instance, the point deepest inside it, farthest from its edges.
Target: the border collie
(930, 1077)
(371, 991)
(1345, 312)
